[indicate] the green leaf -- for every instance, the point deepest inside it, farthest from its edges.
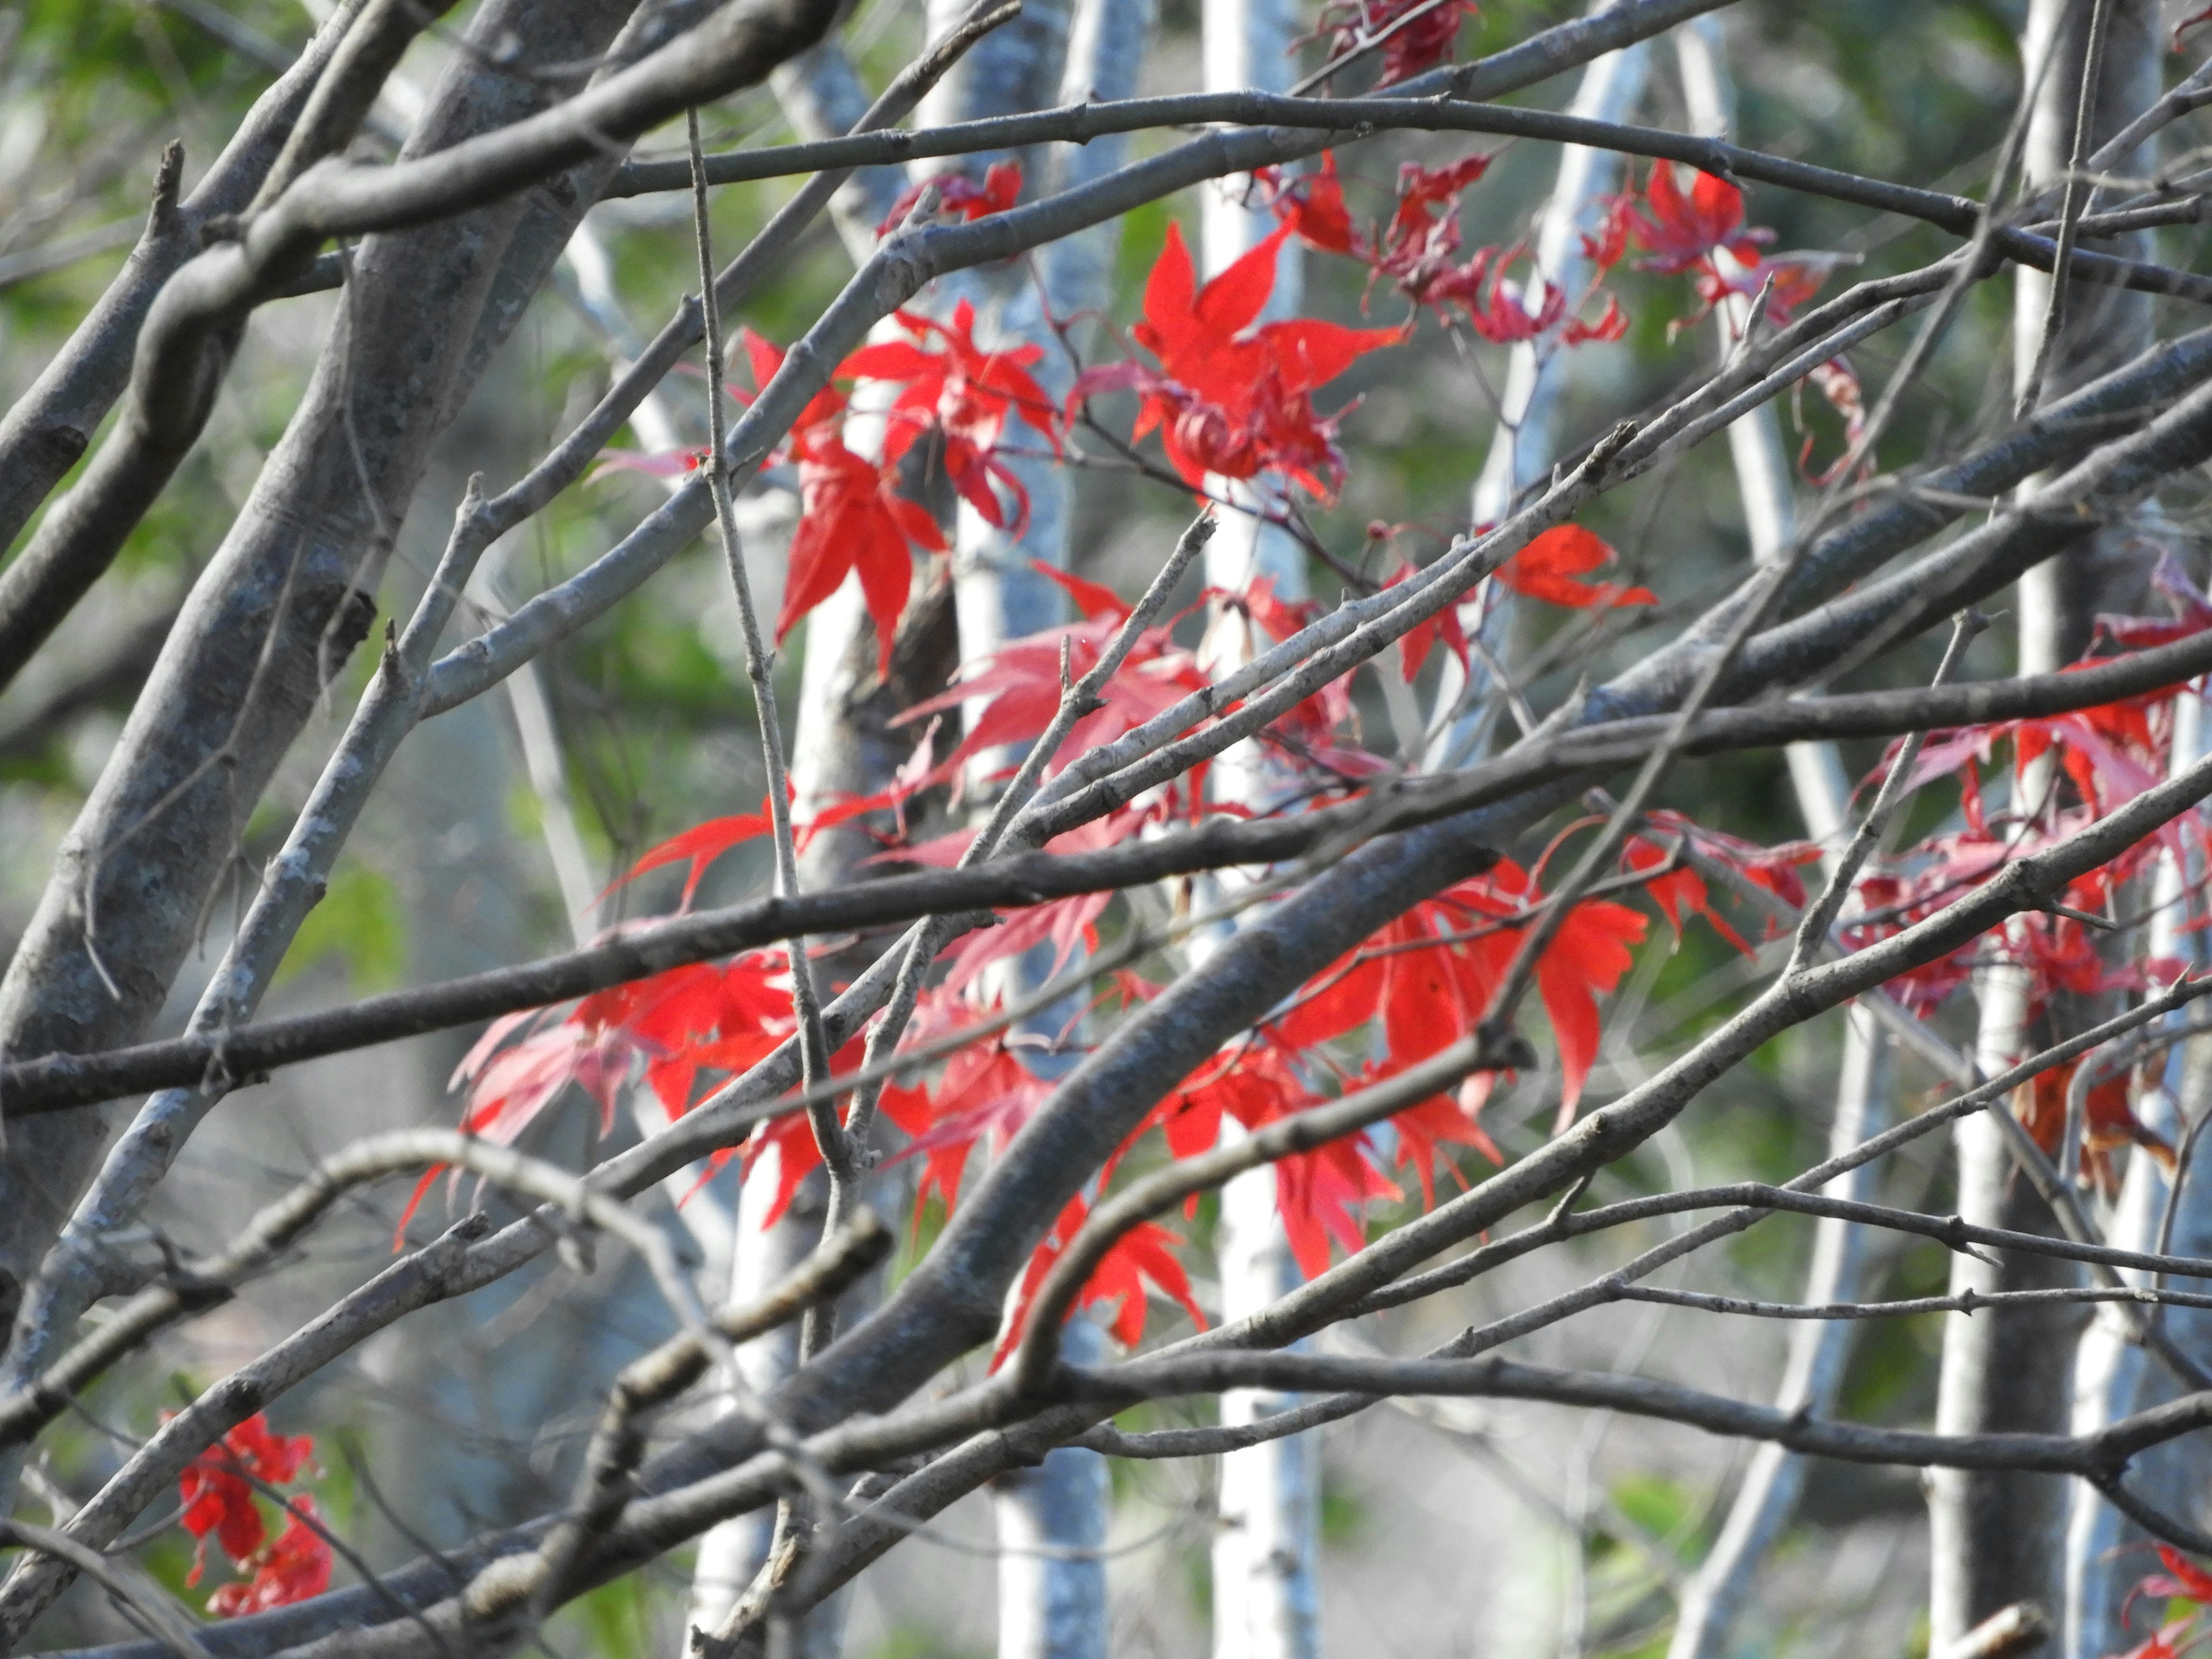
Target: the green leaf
(360, 922)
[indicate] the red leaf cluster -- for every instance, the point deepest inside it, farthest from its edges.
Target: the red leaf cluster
(2109, 1122)
(216, 1492)
(1142, 1260)
(1678, 232)
(960, 196)
(2183, 1581)
(967, 396)
(1702, 232)
(1420, 43)
(1019, 685)
(2103, 756)
(1547, 569)
(687, 1021)
(853, 517)
(292, 1569)
(1416, 251)
(1229, 398)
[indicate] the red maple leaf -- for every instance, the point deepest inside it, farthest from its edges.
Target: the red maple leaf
(1142, 1260)
(1678, 892)
(1431, 974)
(2185, 1579)
(696, 1019)
(1681, 231)
(851, 517)
(1499, 309)
(851, 514)
(1313, 206)
(965, 393)
(1424, 232)
(1419, 45)
(2110, 753)
(1417, 254)
(765, 359)
(960, 196)
(702, 844)
(1546, 569)
(217, 1495)
(296, 1566)
(1228, 397)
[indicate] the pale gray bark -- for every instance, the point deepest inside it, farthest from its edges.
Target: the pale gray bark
(822, 95)
(277, 610)
(1051, 1520)
(46, 429)
(1525, 442)
(1713, 1600)
(1265, 1598)
(1998, 1538)
(1052, 1523)
(2113, 1375)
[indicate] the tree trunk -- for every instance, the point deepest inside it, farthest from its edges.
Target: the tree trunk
(1266, 1600)
(2113, 1376)
(843, 745)
(1997, 1538)
(1525, 446)
(276, 612)
(1714, 1598)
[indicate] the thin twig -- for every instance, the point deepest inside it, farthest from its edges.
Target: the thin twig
(2076, 199)
(1820, 916)
(814, 1052)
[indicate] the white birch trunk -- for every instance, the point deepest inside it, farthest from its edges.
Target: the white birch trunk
(2113, 1377)
(1051, 1520)
(1266, 1600)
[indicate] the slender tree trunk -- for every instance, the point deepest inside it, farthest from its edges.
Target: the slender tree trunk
(1812, 1376)
(1997, 1538)
(2113, 1376)
(1051, 1519)
(1266, 1602)
(822, 95)
(1524, 444)
(843, 746)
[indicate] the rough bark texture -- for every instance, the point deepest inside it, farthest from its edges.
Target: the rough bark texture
(47, 428)
(277, 610)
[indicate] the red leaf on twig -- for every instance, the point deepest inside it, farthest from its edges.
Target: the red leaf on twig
(1546, 569)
